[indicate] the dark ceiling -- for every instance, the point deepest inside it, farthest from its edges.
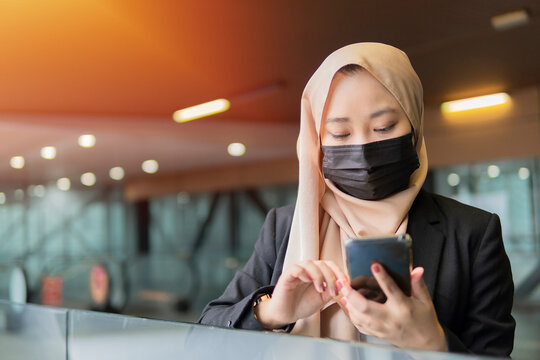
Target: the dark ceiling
(119, 68)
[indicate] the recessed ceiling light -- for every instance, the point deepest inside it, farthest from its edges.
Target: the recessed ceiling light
(493, 171)
(201, 110)
(39, 190)
(117, 173)
(524, 173)
(150, 166)
(474, 103)
(88, 179)
(236, 149)
(87, 140)
(453, 179)
(48, 152)
(63, 184)
(510, 20)
(17, 162)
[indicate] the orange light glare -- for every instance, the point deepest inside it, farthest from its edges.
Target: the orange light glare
(201, 110)
(477, 102)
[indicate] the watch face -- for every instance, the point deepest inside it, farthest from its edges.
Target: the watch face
(99, 284)
(18, 286)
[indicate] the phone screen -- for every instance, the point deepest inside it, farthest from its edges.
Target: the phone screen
(394, 253)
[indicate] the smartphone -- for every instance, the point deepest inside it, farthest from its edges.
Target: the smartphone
(394, 253)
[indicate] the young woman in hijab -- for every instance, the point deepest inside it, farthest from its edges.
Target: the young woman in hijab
(362, 164)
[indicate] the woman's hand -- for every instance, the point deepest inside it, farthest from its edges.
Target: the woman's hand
(409, 322)
(300, 292)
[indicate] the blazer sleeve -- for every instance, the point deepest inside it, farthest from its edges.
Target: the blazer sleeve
(234, 307)
(489, 328)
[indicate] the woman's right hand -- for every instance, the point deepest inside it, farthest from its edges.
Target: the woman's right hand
(300, 292)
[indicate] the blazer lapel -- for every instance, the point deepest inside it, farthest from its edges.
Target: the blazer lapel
(424, 227)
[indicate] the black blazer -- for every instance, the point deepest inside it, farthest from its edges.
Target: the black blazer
(460, 247)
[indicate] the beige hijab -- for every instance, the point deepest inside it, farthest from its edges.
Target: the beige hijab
(324, 216)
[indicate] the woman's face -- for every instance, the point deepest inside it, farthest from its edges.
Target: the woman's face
(360, 110)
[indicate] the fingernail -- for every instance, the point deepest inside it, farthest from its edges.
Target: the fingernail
(343, 301)
(339, 284)
(376, 268)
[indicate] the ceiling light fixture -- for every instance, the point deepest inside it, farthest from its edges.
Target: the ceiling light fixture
(87, 141)
(63, 184)
(493, 171)
(150, 166)
(201, 110)
(524, 173)
(236, 149)
(117, 173)
(17, 162)
(510, 20)
(39, 191)
(88, 179)
(48, 152)
(474, 103)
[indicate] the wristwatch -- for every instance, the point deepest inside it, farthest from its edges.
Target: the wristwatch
(260, 299)
(265, 297)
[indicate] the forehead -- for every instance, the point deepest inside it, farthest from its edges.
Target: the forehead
(359, 90)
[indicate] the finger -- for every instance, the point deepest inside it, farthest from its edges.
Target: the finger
(329, 277)
(297, 272)
(337, 271)
(316, 274)
(353, 300)
(387, 284)
(338, 274)
(418, 286)
(360, 312)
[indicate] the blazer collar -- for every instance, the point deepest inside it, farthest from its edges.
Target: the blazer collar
(424, 227)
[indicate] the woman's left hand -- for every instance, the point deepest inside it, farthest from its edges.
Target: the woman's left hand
(405, 321)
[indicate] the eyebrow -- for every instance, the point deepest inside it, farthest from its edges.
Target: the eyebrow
(337, 119)
(382, 111)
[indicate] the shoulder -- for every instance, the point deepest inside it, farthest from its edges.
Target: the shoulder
(278, 222)
(464, 227)
(450, 210)
(284, 213)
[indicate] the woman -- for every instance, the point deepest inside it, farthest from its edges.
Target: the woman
(362, 165)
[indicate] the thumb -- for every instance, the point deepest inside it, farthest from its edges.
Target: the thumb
(418, 286)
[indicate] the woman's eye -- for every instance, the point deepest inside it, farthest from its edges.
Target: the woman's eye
(385, 129)
(339, 136)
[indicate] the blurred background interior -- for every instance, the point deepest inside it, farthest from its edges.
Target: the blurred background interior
(108, 203)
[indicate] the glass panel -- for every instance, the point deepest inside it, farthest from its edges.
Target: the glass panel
(106, 336)
(30, 332)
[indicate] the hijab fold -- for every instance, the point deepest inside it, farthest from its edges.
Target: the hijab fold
(324, 216)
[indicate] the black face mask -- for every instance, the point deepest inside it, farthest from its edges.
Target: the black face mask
(371, 171)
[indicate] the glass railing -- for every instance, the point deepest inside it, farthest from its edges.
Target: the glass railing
(32, 332)
(38, 332)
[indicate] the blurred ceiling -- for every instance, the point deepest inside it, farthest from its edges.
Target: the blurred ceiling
(119, 68)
